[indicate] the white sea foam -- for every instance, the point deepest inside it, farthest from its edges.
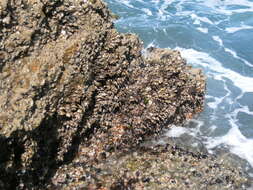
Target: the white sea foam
(147, 11)
(234, 54)
(236, 142)
(242, 109)
(176, 131)
(222, 7)
(213, 128)
(205, 60)
(203, 30)
(218, 6)
(202, 19)
(218, 39)
(196, 22)
(214, 104)
(127, 3)
(234, 139)
(236, 29)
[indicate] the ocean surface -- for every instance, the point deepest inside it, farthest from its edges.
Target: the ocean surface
(217, 36)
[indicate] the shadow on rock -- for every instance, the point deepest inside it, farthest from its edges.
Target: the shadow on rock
(39, 146)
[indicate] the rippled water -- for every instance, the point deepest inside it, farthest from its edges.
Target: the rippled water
(216, 35)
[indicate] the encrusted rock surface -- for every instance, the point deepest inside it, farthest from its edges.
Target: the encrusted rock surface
(74, 90)
(157, 167)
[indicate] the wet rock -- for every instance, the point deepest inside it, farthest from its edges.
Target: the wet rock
(157, 167)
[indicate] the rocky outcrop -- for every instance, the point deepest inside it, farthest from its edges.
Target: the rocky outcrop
(73, 88)
(158, 167)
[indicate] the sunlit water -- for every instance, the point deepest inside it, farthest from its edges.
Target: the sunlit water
(217, 36)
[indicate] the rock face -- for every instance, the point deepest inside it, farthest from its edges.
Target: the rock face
(75, 90)
(158, 167)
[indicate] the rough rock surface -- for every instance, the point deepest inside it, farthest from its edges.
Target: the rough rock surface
(158, 167)
(73, 88)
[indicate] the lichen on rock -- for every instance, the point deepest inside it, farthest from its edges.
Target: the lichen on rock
(74, 90)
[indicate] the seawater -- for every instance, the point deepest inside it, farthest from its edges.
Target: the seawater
(217, 36)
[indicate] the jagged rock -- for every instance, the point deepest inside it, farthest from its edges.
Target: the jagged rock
(158, 167)
(73, 88)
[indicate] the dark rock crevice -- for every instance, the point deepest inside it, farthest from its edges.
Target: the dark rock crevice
(42, 162)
